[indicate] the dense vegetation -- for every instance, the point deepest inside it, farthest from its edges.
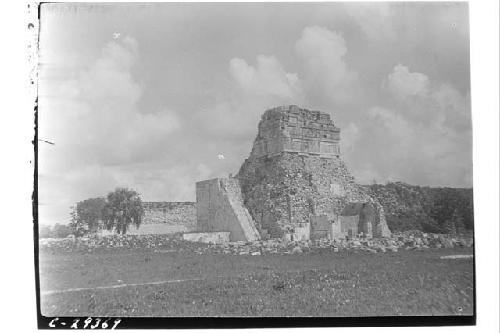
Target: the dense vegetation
(86, 216)
(438, 210)
(121, 208)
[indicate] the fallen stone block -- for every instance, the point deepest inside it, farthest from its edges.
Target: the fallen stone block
(207, 237)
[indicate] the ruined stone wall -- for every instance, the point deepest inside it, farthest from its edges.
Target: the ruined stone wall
(156, 229)
(278, 190)
(336, 231)
(349, 225)
(163, 218)
(292, 129)
(170, 213)
(320, 227)
(284, 189)
(368, 215)
(220, 208)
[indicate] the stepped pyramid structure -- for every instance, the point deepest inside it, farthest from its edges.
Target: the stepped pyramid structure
(294, 184)
(295, 175)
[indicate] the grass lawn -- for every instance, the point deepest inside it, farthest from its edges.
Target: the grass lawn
(321, 283)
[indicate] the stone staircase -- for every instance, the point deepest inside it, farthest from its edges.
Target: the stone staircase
(235, 198)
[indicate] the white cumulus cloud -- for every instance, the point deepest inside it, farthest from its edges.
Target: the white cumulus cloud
(422, 136)
(267, 77)
(328, 77)
(374, 19)
(96, 125)
(402, 83)
(253, 89)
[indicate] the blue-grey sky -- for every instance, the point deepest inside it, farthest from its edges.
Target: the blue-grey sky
(147, 96)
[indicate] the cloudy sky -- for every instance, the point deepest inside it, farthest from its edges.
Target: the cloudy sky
(147, 96)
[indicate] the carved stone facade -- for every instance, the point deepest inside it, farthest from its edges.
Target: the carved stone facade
(292, 129)
(286, 185)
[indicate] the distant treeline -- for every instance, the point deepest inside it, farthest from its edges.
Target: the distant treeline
(55, 231)
(430, 209)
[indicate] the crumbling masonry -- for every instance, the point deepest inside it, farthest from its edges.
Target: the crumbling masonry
(219, 207)
(294, 183)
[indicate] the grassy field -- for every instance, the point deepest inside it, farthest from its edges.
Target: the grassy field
(321, 283)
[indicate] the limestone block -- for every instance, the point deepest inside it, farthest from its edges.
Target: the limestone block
(219, 207)
(320, 227)
(207, 237)
(336, 231)
(302, 232)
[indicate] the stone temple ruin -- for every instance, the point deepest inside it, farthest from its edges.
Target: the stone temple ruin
(294, 185)
(219, 207)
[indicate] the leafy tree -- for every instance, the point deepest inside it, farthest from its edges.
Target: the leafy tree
(430, 225)
(86, 215)
(123, 207)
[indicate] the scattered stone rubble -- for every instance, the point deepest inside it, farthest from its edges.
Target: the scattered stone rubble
(95, 242)
(410, 240)
(404, 241)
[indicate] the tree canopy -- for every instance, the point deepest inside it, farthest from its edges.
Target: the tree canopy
(87, 215)
(123, 207)
(438, 209)
(118, 210)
